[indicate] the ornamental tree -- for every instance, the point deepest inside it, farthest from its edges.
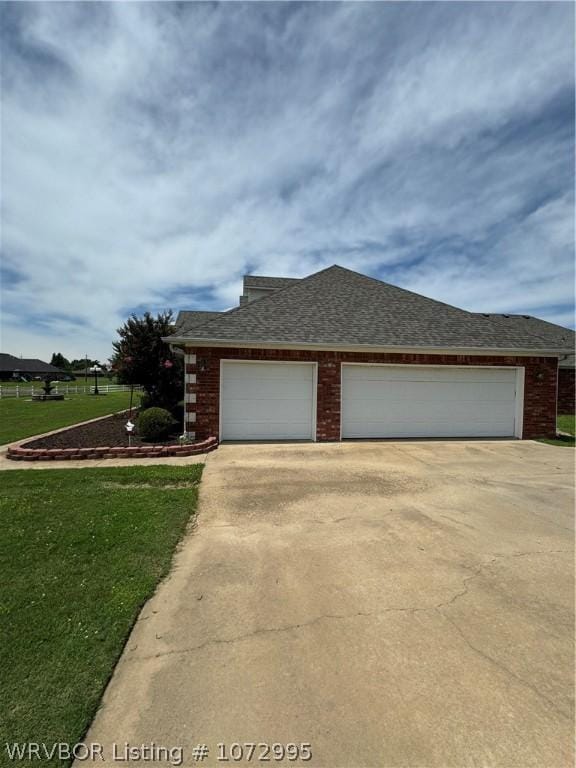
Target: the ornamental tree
(141, 357)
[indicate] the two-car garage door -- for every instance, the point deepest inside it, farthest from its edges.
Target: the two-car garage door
(422, 401)
(276, 401)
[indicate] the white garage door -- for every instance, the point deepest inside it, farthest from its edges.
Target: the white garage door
(267, 401)
(412, 401)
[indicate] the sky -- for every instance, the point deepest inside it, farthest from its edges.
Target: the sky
(153, 153)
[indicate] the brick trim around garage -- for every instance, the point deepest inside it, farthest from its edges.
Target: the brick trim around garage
(203, 384)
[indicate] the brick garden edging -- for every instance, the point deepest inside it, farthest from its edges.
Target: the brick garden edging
(21, 453)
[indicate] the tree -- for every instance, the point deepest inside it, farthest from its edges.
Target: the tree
(60, 361)
(141, 357)
(82, 363)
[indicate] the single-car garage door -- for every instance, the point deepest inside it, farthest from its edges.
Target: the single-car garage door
(267, 401)
(419, 401)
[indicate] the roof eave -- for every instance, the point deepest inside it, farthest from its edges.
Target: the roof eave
(246, 344)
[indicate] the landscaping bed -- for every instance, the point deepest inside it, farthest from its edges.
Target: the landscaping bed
(104, 439)
(109, 432)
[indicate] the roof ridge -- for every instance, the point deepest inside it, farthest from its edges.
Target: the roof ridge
(337, 305)
(274, 277)
(264, 299)
(399, 288)
(208, 311)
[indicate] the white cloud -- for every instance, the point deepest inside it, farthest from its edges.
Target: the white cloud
(151, 148)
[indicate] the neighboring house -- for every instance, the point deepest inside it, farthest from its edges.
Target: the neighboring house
(21, 368)
(566, 385)
(557, 335)
(340, 355)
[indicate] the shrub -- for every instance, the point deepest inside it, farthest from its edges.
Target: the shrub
(155, 424)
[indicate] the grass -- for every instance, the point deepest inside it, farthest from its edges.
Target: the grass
(81, 550)
(21, 417)
(565, 423)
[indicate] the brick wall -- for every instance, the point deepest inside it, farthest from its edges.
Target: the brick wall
(566, 390)
(203, 414)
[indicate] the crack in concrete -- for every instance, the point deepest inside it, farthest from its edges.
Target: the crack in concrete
(273, 630)
(495, 556)
(476, 572)
(539, 552)
(503, 668)
(373, 614)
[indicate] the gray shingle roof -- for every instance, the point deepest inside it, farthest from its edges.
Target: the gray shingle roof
(338, 307)
(275, 283)
(10, 363)
(188, 319)
(555, 335)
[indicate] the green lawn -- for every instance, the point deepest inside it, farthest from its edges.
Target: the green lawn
(80, 552)
(565, 423)
(21, 417)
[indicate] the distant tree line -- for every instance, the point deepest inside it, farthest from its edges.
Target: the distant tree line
(64, 364)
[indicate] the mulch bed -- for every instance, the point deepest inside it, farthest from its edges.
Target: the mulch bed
(109, 432)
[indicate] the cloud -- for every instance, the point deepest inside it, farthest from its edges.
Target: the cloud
(153, 153)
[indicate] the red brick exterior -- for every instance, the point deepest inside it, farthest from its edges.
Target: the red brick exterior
(566, 390)
(539, 391)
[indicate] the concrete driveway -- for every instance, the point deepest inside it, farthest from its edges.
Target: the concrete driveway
(392, 604)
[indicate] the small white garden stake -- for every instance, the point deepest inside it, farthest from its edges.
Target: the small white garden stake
(129, 428)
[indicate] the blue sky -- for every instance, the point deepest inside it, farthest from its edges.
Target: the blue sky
(154, 152)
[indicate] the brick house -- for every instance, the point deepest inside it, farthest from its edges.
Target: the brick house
(340, 355)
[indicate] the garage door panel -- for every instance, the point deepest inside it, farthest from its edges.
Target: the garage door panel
(268, 371)
(371, 430)
(429, 428)
(267, 401)
(256, 389)
(384, 401)
(266, 430)
(411, 391)
(266, 409)
(417, 411)
(424, 373)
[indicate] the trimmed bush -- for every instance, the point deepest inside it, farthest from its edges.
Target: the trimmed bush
(155, 424)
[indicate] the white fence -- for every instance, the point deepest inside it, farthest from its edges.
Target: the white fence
(61, 388)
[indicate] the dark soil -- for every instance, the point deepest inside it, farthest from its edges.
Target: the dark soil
(108, 432)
